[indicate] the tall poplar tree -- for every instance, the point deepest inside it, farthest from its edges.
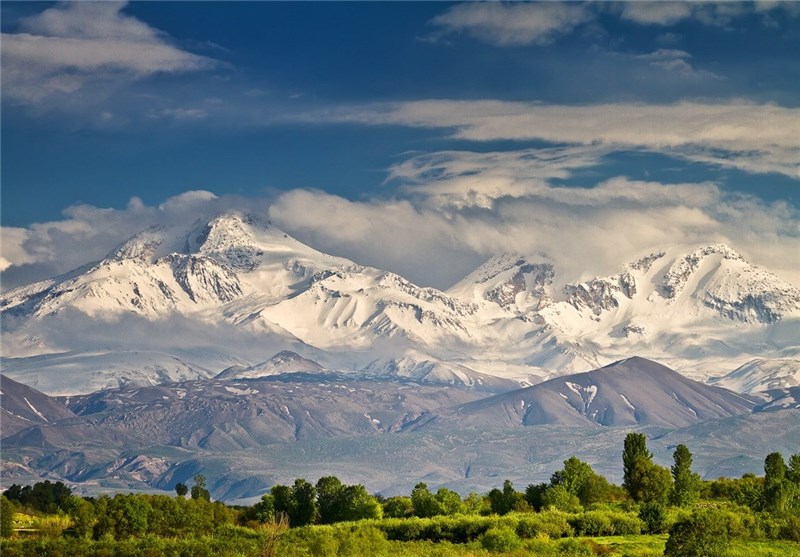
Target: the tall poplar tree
(685, 483)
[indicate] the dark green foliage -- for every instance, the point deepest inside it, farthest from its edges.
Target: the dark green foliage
(685, 483)
(793, 473)
(648, 482)
(281, 499)
(703, 534)
(743, 491)
(199, 490)
(304, 505)
(6, 517)
(424, 502)
(298, 503)
(534, 494)
(505, 501)
(83, 517)
(337, 502)
(398, 507)
(499, 540)
(181, 489)
(43, 496)
(580, 480)
(654, 516)
(329, 492)
(634, 452)
(263, 511)
(776, 492)
(450, 500)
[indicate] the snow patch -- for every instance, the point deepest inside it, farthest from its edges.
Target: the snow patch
(35, 410)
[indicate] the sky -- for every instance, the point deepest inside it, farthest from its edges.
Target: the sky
(421, 138)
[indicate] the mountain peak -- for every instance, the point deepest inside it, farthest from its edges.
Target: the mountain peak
(512, 281)
(284, 361)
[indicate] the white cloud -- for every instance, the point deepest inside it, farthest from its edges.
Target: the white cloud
(461, 208)
(676, 63)
(720, 14)
(657, 13)
(463, 178)
(67, 47)
(513, 24)
(582, 231)
(768, 134)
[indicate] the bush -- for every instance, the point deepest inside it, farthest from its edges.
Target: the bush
(499, 540)
(574, 548)
(552, 524)
(790, 529)
(654, 517)
(362, 541)
(703, 534)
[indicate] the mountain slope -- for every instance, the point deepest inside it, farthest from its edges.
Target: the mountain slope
(174, 304)
(630, 392)
(23, 407)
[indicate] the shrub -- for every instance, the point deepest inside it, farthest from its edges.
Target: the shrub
(703, 534)
(574, 548)
(363, 541)
(499, 540)
(654, 516)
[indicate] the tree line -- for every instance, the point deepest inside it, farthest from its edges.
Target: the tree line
(575, 501)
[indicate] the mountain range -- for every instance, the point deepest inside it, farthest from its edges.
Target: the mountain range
(232, 349)
(227, 294)
(247, 433)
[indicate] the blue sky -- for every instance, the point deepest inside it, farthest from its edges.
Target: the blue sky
(393, 132)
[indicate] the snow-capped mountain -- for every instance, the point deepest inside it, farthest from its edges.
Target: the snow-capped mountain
(285, 361)
(234, 290)
(761, 375)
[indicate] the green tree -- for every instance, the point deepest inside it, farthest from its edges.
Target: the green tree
(450, 500)
(649, 482)
(398, 507)
(557, 497)
(534, 494)
(6, 517)
(181, 489)
(281, 499)
(129, 514)
(424, 502)
(503, 502)
(329, 499)
(199, 490)
(475, 503)
(358, 504)
(574, 474)
(703, 534)
(775, 493)
(793, 474)
(264, 510)
(580, 480)
(303, 509)
(685, 483)
(634, 454)
(83, 517)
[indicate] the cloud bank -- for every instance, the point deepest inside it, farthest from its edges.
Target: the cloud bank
(513, 24)
(451, 211)
(66, 48)
(748, 136)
